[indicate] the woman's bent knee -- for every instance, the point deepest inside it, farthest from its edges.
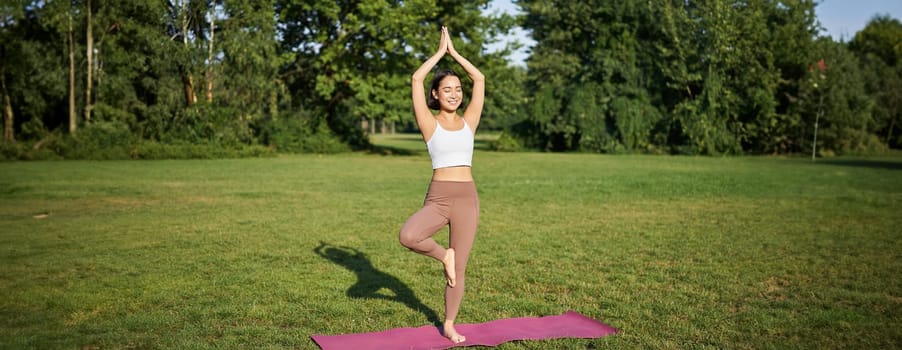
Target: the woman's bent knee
(406, 239)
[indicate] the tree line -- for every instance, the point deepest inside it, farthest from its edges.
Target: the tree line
(708, 77)
(194, 78)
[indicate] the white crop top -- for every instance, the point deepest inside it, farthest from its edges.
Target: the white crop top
(451, 148)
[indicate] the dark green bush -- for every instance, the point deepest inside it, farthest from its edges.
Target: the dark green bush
(505, 143)
(99, 140)
(850, 142)
(11, 150)
(26, 151)
(198, 132)
(39, 143)
(297, 134)
(198, 124)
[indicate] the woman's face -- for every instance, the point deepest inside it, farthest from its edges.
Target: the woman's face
(449, 93)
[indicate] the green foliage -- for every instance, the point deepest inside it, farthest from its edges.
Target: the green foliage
(709, 77)
(505, 143)
(37, 143)
(201, 123)
(506, 97)
(106, 113)
(879, 49)
(545, 107)
(299, 134)
(700, 77)
(853, 142)
(838, 93)
(11, 150)
(32, 71)
(26, 151)
(635, 119)
(881, 37)
(250, 60)
(353, 61)
(345, 55)
(107, 140)
(99, 140)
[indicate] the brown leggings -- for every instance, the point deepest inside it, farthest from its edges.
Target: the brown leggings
(447, 203)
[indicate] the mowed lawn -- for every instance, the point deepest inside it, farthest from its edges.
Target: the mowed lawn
(676, 252)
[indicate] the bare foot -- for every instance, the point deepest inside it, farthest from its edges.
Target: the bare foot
(452, 334)
(448, 262)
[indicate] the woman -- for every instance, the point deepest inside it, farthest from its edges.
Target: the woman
(451, 199)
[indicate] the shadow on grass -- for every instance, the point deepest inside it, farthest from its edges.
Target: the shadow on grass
(370, 280)
(877, 164)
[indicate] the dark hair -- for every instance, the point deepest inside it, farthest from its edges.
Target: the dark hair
(437, 79)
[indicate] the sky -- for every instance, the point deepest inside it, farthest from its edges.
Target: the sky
(841, 19)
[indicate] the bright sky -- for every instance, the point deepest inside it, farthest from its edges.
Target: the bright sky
(841, 19)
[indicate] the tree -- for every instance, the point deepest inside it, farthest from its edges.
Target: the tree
(89, 53)
(328, 64)
(183, 18)
(505, 103)
(879, 48)
(352, 59)
(192, 24)
(838, 88)
(9, 15)
(73, 122)
(134, 62)
(792, 30)
(595, 57)
(33, 66)
(250, 59)
(208, 77)
(698, 77)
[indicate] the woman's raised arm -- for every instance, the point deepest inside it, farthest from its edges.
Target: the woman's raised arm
(425, 120)
(477, 100)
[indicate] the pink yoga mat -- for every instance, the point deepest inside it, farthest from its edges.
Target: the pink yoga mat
(568, 325)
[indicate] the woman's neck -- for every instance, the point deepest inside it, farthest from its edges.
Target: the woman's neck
(447, 115)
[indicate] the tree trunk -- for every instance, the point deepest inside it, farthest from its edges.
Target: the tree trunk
(90, 55)
(210, 57)
(190, 97)
(816, 120)
(7, 113)
(72, 113)
(187, 79)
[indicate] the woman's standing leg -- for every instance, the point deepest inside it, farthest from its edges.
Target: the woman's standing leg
(464, 221)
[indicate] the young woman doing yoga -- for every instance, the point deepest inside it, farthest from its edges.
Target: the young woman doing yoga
(451, 198)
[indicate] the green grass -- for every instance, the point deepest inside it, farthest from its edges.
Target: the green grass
(677, 252)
